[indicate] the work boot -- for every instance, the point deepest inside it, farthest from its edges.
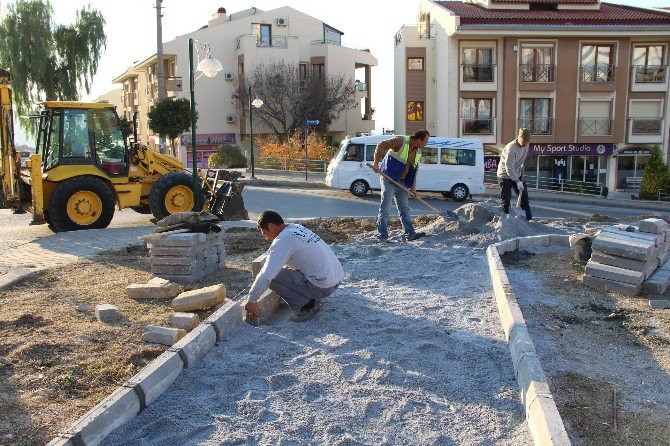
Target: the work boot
(414, 236)
(307, 312)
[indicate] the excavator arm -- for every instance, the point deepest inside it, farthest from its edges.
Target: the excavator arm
(10, 161)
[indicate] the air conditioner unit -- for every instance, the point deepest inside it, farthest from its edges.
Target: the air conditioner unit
(230, 76)
(231, 119)
(281, 21)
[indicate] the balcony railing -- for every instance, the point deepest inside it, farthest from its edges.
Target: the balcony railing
(273, 41)
(471, 126)
(646, 126)
(649, 74)
(595, 126)
(592, 74)
(477, 73)
(537, 125)
(426, 31)
(537, 73)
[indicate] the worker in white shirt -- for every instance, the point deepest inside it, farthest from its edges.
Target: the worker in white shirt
(510, 172)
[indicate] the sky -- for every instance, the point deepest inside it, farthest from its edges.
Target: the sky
(131, 32)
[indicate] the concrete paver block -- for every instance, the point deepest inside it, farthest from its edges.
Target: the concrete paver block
(200, 299)
(195, 344)
(173, 260)
(118, 408)
(610, 285)
(507, 246)
(62, 440)
(623, 248)
(663, 257)
(659, 304)
(156, 288)
(163, 335)
(628, 239)
(185, 321)
(189, 239)
(659, 281)
(559, 240)
(269, 302)
(545, 423)
(257, 265)
(107, 313)
(653, 225)
(596, 269)
(534, 241)
(227, 318)
(192, 267)
(174, 251)
(181, 278)
(656, 239)
(520, 344)
(156, 376)
(624, 262)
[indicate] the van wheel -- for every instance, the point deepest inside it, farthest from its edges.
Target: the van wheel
(359, 188)
(459, 192)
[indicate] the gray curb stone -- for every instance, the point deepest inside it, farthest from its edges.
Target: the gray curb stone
(544, 421)
(156, 377)
(194, 345)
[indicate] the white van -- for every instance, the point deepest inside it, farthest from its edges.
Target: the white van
(452, 166)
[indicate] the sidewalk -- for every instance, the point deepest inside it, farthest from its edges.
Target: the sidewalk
(278, 178)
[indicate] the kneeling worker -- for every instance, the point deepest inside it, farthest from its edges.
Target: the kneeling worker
(300, 267)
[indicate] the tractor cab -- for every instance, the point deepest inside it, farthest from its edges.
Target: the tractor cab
(86, 134)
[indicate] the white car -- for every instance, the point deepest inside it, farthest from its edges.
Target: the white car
(25, 155)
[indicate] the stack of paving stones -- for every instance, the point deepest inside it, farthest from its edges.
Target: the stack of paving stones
(185, 258)
(630, 259)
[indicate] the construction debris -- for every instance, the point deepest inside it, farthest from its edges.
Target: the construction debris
(200, 299)
(185, 321)
(163, 335)
(157, 288)
(107, 313)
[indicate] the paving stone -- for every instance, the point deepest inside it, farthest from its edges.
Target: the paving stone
(176, 251)
(596, 269)
(657, 239)
(653, 225)
(624, 262)
(200, 299)
(195, 344)
(659, 281)
(156, 376)
(659, 304)
(156, 288)
(62, 440)
(192, 267)
(173, 260)
(227, 318)
(545, 423)
(628, 238)
(663, 257)
(185, 321)
(107, 313)
(534, 241)
(181, 278)
(190, 239)
(163, 335)
(622, 248)
(612, 286)
(269, 302)
(257, 265)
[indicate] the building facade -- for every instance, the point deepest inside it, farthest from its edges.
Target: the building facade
(589, 79)
(241, 42)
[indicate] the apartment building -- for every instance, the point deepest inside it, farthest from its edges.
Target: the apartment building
(588, 78)
(241, 42)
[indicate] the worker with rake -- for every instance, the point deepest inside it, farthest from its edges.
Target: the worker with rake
(401, 163)
(510, 173)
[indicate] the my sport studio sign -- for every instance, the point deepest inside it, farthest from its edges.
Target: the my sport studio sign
(570, 149)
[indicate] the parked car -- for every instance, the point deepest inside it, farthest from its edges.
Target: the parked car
(25, 154)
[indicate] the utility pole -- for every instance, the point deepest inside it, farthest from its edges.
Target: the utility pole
(159, 59)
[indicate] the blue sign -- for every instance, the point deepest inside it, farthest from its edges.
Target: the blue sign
(312, 122)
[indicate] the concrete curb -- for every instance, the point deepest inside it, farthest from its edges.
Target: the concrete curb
(153, 380)
(544, 421)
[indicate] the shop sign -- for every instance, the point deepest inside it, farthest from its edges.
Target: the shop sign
(491, 163)
(570, 149)
(208, 138)
(635, 152)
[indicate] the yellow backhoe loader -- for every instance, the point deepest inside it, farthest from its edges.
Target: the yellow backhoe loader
(84, 168)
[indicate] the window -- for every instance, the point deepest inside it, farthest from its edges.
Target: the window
(535, 115)
(415, 63)
(302, 70)
(415, 111)
(318, 71)
(428, 155)
(477, 64)
(536, 65)
(597, 63)
(240, 68)
(594, 117)
(263, 34)
(458, 157)
(370, 152)
(53, 142)
(476, 116)
(645, 117)
(75, 134)
(354, 152)
(648, 63)
(331, 35)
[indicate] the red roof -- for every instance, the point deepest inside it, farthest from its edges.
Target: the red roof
(587, 2)
(608, 14)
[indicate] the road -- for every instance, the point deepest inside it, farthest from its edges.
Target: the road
(296, 203)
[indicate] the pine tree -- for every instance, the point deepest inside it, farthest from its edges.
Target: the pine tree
(655, 175)
(48, 61)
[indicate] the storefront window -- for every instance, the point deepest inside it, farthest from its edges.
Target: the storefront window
(625, 168)
(546, 166)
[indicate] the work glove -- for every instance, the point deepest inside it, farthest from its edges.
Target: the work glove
(519, 184)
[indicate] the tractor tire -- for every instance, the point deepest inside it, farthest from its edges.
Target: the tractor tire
(173, 193)
(81, 203)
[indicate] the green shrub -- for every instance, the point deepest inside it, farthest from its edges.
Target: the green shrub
(228, 156)
(655, 175)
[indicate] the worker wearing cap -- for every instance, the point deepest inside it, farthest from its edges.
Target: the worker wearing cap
(510, 172)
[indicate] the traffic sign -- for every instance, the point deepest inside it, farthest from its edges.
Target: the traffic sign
(312, 122)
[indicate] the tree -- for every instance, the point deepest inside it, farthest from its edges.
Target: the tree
(171, 117)
(288, 100)
(48, 61)
(227, 156)
(655, 175)
(126, 126)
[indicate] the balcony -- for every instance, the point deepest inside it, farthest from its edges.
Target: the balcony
(273, 42)
(426, 31)
(537, 73)
(537, 125)
(649, 74)
(595, 126)
(471, 126)
(646, 126)
(601, 74)
(478, 73)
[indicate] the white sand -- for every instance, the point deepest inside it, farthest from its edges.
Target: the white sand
(409, 350)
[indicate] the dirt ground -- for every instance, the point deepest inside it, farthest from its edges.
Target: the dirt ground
(63, 361)
(607, 356)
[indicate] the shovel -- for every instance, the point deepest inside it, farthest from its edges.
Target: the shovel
(447, 215)
(517, 209)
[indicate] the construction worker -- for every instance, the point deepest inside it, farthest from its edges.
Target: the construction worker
(401, 163)
(510, 172)
(300, 267)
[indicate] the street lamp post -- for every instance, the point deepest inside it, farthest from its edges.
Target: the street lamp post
(308, 122)
(257, 103)
(209, 67)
